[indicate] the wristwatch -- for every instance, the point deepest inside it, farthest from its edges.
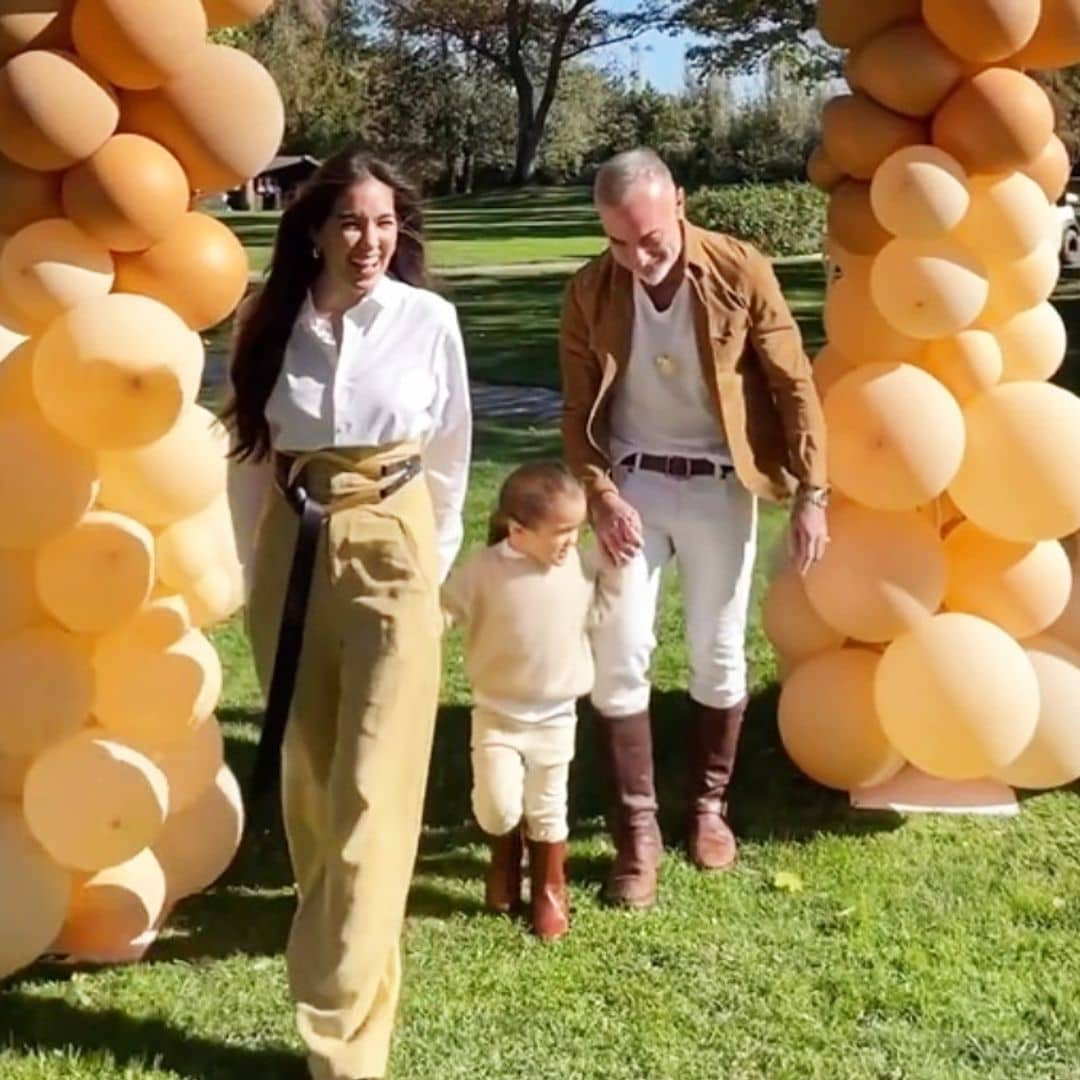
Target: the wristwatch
(816, 496)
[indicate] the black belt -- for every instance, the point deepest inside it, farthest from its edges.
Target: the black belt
(267, 770)
(681, 468)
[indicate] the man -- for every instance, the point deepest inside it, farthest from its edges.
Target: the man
(687, 395)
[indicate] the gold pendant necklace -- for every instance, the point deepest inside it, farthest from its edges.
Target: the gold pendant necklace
(666, 365)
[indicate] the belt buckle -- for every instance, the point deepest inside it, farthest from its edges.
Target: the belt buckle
(684, 469)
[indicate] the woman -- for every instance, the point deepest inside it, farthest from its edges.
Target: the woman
(350, 388)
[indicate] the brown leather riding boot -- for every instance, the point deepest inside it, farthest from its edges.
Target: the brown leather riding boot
(548, 898)
(502, 891)
(626, 742)
(713, 747)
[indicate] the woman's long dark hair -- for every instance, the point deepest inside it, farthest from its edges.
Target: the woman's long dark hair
(267, 321)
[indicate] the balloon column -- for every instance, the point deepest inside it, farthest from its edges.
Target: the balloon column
(115, 538)
(941, 629)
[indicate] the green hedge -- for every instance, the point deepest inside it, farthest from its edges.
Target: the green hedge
(780, 219)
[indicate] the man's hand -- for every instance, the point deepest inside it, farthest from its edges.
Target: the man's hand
(809, 534)
(618, 527)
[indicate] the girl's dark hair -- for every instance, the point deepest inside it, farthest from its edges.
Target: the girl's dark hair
(264, 328)
(527, 494)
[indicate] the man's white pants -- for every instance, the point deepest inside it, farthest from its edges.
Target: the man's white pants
(709, 526)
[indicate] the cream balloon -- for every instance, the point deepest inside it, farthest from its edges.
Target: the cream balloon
(1020, 284)
(855, 327)
(187, 549)
(920, 192)
(1009, 217)
(1033, 344)
(216, 596)
(191, 764)
(161, 622)
(966, 364)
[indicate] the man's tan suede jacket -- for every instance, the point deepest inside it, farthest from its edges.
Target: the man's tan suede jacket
(752, 360)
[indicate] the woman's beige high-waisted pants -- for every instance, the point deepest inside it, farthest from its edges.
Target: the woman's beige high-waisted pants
(357, 746)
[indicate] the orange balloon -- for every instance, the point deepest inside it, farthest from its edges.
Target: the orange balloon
(928, 289)
(200, 270)
(17, 382)
(29, 196)
(128, 195)
(52, 487)
(235, 12)
(117, 373)
(34, 898)
(19, 604)
(906, 69)
(858, 134)
(830, 365)
(851, 219)
(136, 46)
(957, 697)
(1018, 479)
(795, 629)
(966, 364)
(1021, 587)
(821, 172)
(34, 24)
(828, 723)
(218, 148)
(848, 23)
(1051, 169)
(920, 192)
(13, 772)
(1052, 758)
(1020, 284)
(46, 691)
(52, 266)
(96, 576)
(1009, 217)
(896, 436)
(92, 803)
(996, 122)
(53, 112)
(1056, 42)
(1033, 344)
(882, 573)
(854, 325)
(982, 31)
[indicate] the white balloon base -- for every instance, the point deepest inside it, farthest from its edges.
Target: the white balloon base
(914, 792)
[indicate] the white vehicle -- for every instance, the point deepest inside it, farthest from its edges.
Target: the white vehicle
(1070, 230)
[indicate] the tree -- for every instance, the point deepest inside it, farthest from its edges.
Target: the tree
(528, 43)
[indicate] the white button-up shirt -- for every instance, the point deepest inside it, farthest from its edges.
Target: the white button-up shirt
(399, 374)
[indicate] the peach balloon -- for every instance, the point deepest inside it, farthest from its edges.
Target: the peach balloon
(957, 697)
(1009, 217)
(1051, 169)
(821, 172)
(795, 629)
(14, 333)
(848, 23)
(1052, 758)
(218, 148)
(830, 365)
(198, 844)
(34, 24)
(200, 270)
(1067, 627)
(828, 724)
(896, 436)
(995, 122)
(116, 373)
(19, 604)
(162, 621)
(235, 12)
(128, 195)
(855, 326)
(859, 134)
(34, 898)
(1021, 587)
(1056, 42)
(188, 548)
(112, 908)
(29, 196)
(52, 488)
(155, 696)
(135, 46)
(1021, 284)
(882, 573)
(1033, 344)
(966, 364)
(920, 192)
(1018, 479)
(851, 220)
(50, 267)
(928, 289)
(982, 31)
(216, 596)
(13, 772)
(53, 112)
(906, 69)
(147, 484)
(93, 803)
(190, 764)
(96, 576)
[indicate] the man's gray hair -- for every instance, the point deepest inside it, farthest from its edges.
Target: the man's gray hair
(624, 171)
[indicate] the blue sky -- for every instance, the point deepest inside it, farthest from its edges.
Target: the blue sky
(661, 57)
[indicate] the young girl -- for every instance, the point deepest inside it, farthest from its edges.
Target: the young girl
(526, 603)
